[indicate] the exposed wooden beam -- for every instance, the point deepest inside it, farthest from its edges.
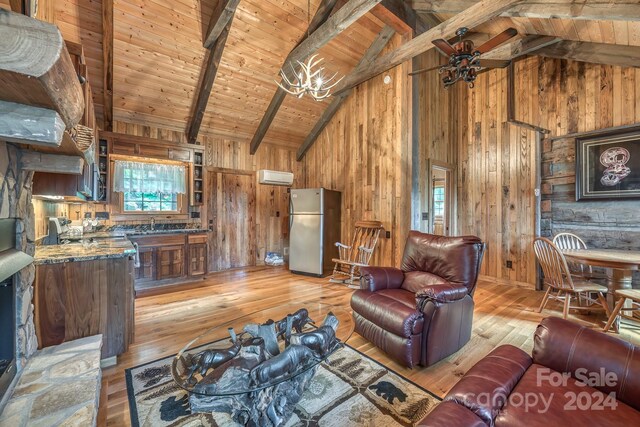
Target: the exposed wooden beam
(206, 84)
(372, 52)
(597, 53)
(107, 64)
(222, 14)
(470, 18)
(618, 10)
(520, 47)
(604, 10)
(51, 163)
(400, 16)
(331, 28)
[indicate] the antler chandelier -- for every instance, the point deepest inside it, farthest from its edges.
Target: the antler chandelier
(306, 81)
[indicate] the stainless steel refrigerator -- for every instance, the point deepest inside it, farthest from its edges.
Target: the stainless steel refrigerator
(314, 228)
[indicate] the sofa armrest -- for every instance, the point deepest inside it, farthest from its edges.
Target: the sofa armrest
(441, 293)
(574, 349)
(485, 388)
(448, 414)
(375, 279)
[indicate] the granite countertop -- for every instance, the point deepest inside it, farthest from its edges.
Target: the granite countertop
(136, 232)
(99, 249)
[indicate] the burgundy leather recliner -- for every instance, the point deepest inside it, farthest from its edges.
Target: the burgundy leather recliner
(423, 311)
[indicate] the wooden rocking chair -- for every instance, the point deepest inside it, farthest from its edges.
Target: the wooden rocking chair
(347, 268)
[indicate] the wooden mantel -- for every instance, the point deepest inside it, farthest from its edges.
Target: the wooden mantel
(35, 67)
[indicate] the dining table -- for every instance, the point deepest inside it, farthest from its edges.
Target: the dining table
(620, 266)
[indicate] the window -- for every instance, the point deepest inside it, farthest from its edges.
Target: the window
(150, 202)
(149, 187)
(438, 201)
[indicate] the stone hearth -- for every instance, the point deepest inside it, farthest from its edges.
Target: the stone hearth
(60, 385)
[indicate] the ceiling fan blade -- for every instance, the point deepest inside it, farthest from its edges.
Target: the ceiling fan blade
(444, 47)
(424, 70)
(494, 63)
(497, 40)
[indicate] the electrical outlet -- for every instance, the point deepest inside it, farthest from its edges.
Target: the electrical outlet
(425, 216)
(509, 264)
(388, 234)
(277, 214)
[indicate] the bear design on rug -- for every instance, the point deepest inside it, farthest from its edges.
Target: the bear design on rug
(174, 408)
(388, 391)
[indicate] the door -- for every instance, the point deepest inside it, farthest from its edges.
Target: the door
(307, 201)
(170, 261)
(147, 269)
(441, 199)
(232, 208)
(305, 244)
(197, 259)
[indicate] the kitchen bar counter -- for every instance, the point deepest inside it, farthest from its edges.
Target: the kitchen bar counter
(99, 249)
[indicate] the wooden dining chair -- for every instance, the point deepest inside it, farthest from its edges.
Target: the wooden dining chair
(569, 241)
(558, 278)
(624, 295)
(351, 258)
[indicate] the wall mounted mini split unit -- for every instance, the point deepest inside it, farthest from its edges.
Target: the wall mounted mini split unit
(275, 177)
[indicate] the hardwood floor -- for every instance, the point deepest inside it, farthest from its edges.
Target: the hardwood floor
(164, 323)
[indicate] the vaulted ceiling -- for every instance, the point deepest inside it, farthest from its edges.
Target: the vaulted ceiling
(159, 55)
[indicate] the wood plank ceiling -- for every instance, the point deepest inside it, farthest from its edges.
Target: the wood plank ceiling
(159, 54)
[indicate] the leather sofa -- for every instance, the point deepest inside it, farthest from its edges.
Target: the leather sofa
(421, 312)
(600, 386)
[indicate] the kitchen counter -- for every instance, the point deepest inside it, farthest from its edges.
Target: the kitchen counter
(99, 249)
(138, 232)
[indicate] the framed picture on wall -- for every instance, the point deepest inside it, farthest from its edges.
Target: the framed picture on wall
(608, 166)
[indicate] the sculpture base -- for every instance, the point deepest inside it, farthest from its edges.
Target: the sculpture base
(269, 407)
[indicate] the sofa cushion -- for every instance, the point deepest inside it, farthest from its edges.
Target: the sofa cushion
(414, 281)
(393, 310)
(554, 406)
(448, 414)
(454, 259)
(565, 346)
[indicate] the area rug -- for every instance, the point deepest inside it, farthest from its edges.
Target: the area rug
(349, 389)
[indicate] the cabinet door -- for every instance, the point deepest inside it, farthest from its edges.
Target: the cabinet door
(146, 271)
(197, 259)
(170, 262)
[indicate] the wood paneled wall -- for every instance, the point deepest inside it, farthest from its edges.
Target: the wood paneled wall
(497, 161)
(365, 153)
(438, 122)
(272, 202)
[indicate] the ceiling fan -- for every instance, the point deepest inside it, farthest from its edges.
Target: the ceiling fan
(465, 60)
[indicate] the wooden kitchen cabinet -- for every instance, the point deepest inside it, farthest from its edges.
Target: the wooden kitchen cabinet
(197, 259)
(79, 299)
(170, 262)
(167, 259)
(146, 272)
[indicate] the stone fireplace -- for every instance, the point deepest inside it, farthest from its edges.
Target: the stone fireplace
(17, 292)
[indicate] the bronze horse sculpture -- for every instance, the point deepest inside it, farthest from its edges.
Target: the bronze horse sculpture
(211, 359)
